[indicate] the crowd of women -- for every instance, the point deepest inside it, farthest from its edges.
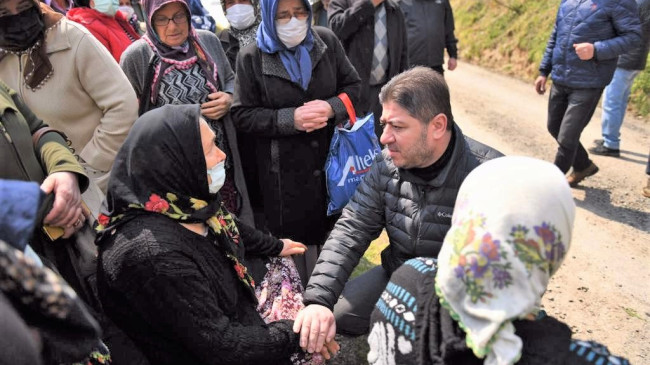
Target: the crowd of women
(207, 152)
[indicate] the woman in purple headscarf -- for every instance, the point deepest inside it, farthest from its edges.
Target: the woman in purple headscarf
(286, 103)
(174, 63)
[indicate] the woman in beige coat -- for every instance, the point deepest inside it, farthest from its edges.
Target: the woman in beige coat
(67, 78)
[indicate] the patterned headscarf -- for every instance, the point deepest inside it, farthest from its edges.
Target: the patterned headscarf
(182, 57)
(161, 169)
(38, 69)
(246, 36)
(296, 61)
(510, 231)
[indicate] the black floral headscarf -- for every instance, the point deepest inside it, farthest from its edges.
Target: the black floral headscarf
(161, 169)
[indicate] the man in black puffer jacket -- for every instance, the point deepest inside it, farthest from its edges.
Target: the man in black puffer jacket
(410, 191)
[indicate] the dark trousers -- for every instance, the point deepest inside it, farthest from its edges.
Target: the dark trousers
(439, 69)
(353, 309)
(569, 112)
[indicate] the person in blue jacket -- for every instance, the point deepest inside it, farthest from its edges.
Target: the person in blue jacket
(581, 57)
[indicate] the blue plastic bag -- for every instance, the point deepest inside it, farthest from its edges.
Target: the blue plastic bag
(352, 152)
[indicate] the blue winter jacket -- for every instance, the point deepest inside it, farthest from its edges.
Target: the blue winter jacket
(613, 27)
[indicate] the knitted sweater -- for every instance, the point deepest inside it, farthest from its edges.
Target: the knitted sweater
(177, 295)
(409, 326)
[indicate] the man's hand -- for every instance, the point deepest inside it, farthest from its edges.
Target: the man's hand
(312, 115)
(316, 326)
(585, 51)
(66, 211)
(540, 85)
(292, 248)
(451, 64)
(218, 105)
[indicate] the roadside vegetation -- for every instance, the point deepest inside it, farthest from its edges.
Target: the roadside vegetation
(509, 36)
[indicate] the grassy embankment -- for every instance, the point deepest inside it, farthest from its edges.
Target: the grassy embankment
(509, 36)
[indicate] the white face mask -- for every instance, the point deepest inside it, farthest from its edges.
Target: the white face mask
(218, 176)
(127, 10)
(108, 7)
(240, 16)
(292, 33)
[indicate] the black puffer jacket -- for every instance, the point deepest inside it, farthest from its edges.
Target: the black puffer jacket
(415, 213)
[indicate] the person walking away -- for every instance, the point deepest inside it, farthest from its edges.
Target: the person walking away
(580, 57)
(617, 93)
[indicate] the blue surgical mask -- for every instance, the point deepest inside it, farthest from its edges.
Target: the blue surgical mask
(217, 174)
(108, 7)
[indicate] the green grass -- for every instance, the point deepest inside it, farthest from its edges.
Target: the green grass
(372, 257)
(510, 36)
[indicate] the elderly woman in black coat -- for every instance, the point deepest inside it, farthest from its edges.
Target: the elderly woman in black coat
(171, 272)
(286, 99)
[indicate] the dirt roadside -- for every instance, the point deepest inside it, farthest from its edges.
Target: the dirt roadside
(603, 288)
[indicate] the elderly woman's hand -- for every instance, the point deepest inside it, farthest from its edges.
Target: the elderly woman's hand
(312, 115)
(292, 248)
(218, 105)
(330, 349)
(66, 211)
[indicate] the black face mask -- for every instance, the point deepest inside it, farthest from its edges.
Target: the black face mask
(19, 32)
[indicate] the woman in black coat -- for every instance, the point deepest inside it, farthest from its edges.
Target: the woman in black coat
(170, 268)
(286, 91)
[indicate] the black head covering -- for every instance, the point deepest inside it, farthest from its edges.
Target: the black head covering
(162, 154)
(161, 169)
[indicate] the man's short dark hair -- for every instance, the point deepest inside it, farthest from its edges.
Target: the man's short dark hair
(422, 92)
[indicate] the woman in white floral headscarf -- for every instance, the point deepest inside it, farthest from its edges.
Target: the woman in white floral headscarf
(510, 231)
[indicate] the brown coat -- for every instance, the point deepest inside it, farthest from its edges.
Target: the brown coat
(87, 97)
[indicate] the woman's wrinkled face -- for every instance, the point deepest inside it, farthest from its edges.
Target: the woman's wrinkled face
(213, 155)
(171, 23)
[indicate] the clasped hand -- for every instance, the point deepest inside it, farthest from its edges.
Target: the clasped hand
(317, 328)
(312, 115)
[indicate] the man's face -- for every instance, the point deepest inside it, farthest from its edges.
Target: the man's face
(405, 137)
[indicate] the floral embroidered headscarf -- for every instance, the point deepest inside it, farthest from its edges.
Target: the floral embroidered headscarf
(161, 169)
(511, 229)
